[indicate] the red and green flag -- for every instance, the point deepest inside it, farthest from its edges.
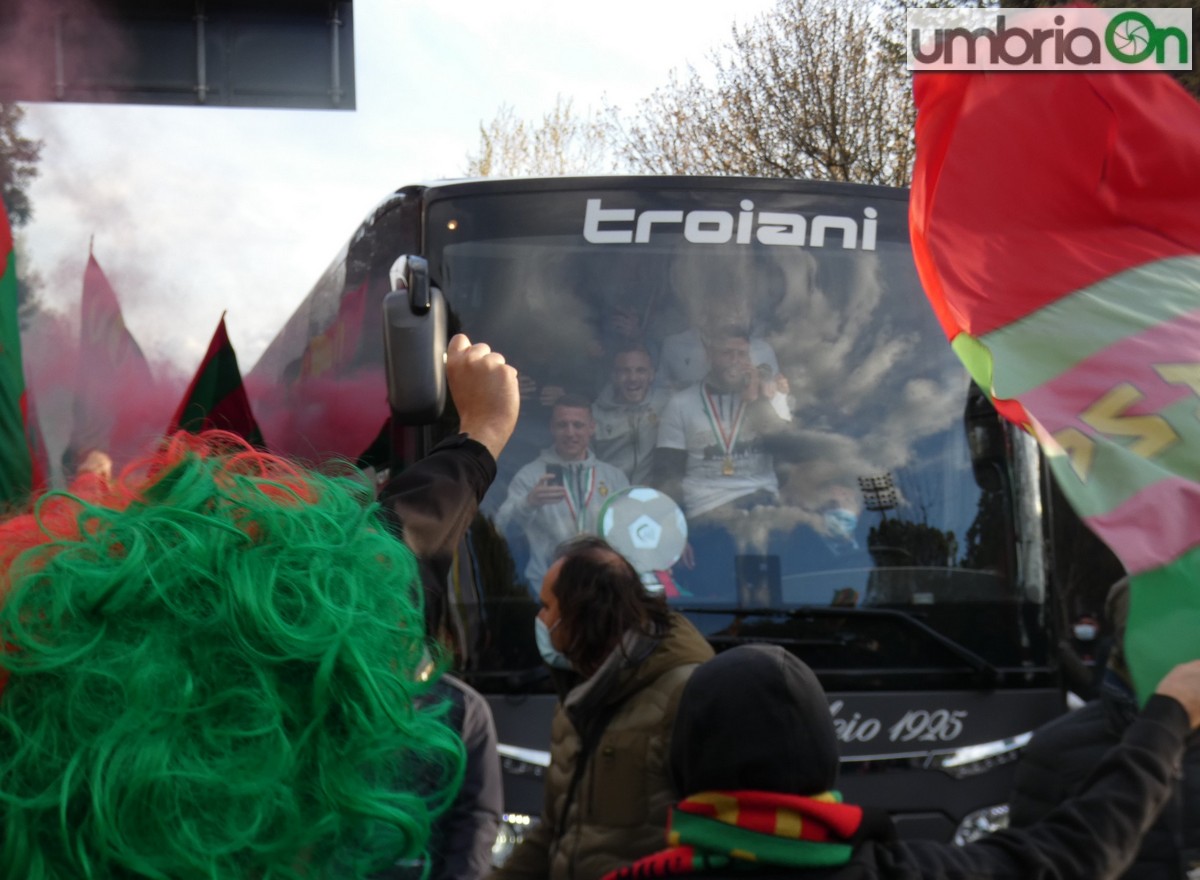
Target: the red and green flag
(114, 387)
(1055, 222)
(216, 399)
(23, 470)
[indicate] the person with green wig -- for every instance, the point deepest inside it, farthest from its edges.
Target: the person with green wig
(210, 669)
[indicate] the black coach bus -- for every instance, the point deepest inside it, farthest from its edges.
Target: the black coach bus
(897, 538)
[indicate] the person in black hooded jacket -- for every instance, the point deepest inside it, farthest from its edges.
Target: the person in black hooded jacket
(1056, 763)
(430, 506)
(755, 755)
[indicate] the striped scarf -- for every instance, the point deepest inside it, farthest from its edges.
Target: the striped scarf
(716, 829)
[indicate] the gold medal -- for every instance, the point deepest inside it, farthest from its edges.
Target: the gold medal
(728, 439)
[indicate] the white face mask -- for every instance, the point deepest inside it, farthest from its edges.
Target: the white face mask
(545, 645)
(1085, 632)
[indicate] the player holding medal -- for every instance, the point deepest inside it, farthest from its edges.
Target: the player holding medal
(709, 441)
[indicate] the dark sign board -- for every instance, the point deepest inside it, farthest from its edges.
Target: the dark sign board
(224, 53)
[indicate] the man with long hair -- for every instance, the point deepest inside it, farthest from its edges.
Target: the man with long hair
(620, 659)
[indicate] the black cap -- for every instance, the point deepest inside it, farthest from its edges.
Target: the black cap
(754, 718)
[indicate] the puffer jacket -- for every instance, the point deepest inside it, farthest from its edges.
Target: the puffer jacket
(1062, 754)
(612, 808)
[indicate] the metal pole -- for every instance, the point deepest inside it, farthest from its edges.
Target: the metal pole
(335, 77)
(60, 83)
(201, 56)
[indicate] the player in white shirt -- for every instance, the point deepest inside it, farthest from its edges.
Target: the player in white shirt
(710, 438)
(684, 358)
(560, 493)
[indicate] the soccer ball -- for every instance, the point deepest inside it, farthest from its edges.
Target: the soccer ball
(645, 526)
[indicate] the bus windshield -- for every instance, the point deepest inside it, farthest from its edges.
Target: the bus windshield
(763, 357)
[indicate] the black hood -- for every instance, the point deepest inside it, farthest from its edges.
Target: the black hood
(754, 718)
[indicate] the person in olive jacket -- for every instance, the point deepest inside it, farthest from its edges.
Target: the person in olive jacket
(755, 755)
(622, 659)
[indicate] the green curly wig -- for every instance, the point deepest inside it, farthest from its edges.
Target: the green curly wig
(212, 669)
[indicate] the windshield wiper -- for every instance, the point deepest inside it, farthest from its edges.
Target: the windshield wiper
(983, 667)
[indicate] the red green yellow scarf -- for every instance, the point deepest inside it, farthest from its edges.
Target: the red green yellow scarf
(716, 829)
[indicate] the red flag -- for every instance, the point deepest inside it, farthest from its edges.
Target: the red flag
(114, 384)
(216, 398)
(1055, 231)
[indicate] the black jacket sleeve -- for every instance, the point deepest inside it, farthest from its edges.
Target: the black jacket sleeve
(1094, 834)
(1057, 760)
(431, 503)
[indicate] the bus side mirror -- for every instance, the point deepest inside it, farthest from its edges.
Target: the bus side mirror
(414, 344)
(986, 440)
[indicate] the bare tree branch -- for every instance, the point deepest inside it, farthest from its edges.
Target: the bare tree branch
(808, 89)
(811, 89)
(564, 142)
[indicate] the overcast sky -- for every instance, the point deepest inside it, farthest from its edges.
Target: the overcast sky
(200, 210)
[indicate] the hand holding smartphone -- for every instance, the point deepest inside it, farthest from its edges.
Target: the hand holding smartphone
(549, 488)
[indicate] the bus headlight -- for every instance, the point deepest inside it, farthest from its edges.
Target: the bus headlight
(981, 823)
(512, 831)
(973, 760)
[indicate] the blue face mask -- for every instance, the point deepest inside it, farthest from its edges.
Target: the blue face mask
(550, 654)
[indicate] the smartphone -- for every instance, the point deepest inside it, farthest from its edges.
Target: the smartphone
(556, 474)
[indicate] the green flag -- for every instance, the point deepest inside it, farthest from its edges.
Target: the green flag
(21, 472)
